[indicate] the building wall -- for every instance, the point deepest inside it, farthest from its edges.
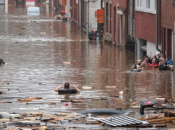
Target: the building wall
(115, 22)
(145, 26)
(11, 2)
(74, 10)
(93, 6)
(68, 9)
(167, 24)
(122, 22)
(114, 26)
(151, 48)
(83, 13)
(2, 1)
(167, 14)
(108, 15)
(122, 3)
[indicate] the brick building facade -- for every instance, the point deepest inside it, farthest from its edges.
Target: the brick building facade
(58, 6)
(74, 10)
(83, 13)
(167, 28)
(146, 24)
(115, 19)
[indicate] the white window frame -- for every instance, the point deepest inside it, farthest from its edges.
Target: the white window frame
(142, 6)
(148, 3)
(138, 4)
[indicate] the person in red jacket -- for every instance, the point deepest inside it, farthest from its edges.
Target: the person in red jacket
(154, 64)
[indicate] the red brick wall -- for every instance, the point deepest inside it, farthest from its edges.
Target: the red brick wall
(167, 24)
(113, 30)
(74, 10)
(167, 14)
(145, 26)
(11, 2)
(122, 3)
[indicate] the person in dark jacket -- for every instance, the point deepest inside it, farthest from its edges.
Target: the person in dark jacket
(92, 35)
(169, 61)
(162, 65)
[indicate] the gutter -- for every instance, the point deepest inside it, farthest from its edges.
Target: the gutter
(132, 17)
(157, 27)
(87, 17)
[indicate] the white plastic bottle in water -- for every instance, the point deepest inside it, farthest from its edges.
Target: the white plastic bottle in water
(121, 94)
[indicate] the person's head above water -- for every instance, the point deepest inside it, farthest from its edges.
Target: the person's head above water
(154, 61)
(162, 60)
(94, 31)
(63, 12)
(146, 58)
(66, 85)
(139, 61)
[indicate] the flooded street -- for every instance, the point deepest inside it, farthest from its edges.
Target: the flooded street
(41, 53)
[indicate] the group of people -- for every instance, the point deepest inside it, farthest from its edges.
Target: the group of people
(62, 16)
(153, 62)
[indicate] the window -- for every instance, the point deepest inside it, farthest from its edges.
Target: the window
(148, 4)
(155, 3)
(106, 17)
(138, 3)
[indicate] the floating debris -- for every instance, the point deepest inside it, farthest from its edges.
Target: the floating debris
(17, 29)
(5, 115)
(23, 28)
(67, 63)
(29, 99)
(86, 87)
(102, 111)
(43, 33)
(111, 87)
(5, 102)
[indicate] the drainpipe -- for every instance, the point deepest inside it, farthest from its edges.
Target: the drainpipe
(132, 17)
(157, 26)
(87, 18)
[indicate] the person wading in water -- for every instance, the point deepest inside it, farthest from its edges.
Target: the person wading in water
(67, 89)
(145, 63)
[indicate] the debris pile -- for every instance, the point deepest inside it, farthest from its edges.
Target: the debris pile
(35, 120)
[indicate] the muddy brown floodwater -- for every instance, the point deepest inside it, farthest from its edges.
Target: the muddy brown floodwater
(41, 53)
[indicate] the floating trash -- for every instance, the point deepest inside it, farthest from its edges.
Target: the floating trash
(86, 87)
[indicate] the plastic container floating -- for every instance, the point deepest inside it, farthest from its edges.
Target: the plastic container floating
(86, 87)
(30, 109)
(121, 94)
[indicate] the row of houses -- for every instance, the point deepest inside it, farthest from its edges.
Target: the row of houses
(81, 12)
(144, 26)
